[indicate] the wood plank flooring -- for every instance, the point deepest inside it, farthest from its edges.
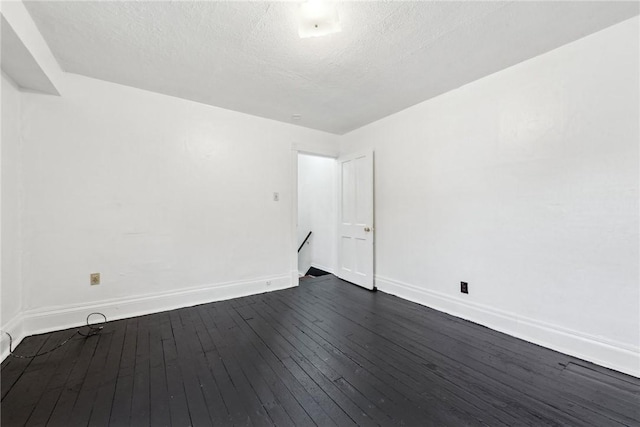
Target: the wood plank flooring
(326, 353)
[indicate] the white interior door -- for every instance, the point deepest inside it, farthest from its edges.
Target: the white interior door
(355, 223)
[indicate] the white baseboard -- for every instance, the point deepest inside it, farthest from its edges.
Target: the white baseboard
(319, 267)
(614, 355)
(594, 349)
(15, 327)
(322, 267)
(58, 318)
(295, 278)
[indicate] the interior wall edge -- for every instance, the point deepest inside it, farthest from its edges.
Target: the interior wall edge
(15, 327)
(16, 14)
(610, 354)
(48, 319)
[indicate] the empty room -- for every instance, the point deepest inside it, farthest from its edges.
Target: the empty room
(316, 213)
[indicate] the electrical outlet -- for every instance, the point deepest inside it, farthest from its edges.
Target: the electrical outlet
(276, 197)
(464, 287)
(269, 283)
(94, 279)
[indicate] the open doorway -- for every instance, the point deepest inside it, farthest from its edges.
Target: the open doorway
(317, 215)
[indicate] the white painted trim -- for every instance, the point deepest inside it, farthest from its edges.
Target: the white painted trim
(63, 317)
(295, 278)
(294, 214)
(316, 150)
(604, 352)
(15, 327)
(318, 266)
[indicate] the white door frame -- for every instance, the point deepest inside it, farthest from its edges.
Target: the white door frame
(314, 150)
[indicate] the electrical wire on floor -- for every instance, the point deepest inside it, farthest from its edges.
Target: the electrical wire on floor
(94, 329)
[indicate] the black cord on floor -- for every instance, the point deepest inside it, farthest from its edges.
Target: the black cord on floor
(94, 329)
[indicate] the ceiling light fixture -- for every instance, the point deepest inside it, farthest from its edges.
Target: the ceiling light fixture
(318, 18)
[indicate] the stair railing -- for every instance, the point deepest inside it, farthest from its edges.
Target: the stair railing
(305, 241)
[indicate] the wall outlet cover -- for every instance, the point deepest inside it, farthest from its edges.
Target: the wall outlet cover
(94, 279)
(464, 287)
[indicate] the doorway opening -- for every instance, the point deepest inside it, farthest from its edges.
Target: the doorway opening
(317, 215)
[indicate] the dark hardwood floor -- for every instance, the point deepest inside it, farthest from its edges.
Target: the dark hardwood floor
(325, 353)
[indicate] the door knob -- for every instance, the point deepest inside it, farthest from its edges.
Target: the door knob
(367, 229)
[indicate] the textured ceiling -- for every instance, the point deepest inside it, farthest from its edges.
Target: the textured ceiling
(247, 56)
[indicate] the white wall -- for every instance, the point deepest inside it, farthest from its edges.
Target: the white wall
(10, 284)
(524, 184)
(316, 211)
(170, 200)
